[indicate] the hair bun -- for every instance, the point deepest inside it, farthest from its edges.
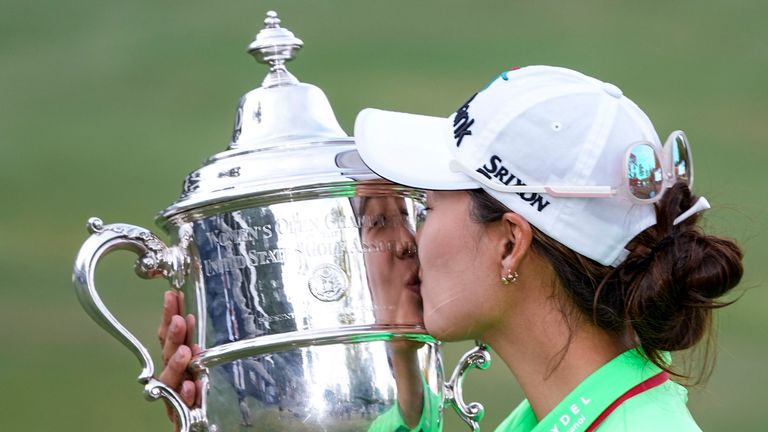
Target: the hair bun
(673, 285)
(708, 266)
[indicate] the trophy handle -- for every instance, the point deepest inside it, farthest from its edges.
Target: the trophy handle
(478, 357)
(155, 259)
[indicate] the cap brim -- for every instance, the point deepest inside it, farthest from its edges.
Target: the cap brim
(409, 149)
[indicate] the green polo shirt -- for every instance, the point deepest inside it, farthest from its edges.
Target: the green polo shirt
(659, 409)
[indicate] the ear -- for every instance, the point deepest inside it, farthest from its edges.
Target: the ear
(515, 240)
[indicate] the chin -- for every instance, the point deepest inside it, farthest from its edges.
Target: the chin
(442, 329)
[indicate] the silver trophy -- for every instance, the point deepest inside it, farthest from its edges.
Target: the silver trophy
(299, 265)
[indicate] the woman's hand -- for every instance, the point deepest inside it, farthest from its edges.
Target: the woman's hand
(175, 333)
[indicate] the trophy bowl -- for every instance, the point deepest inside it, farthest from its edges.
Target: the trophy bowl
(299, 265)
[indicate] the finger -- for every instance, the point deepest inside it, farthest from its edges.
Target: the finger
(188, 393)
(198, 393)
(173, 373)
(190, 330)
(177, 332)
(170, 306)
(180, 302)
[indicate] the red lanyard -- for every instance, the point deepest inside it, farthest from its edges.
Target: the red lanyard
(648, 384)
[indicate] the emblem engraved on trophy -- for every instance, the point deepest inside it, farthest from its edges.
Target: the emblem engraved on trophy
(301, 286)
(328, 283)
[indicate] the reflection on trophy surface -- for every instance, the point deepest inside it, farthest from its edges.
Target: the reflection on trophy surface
(304, 267)
(393, 278)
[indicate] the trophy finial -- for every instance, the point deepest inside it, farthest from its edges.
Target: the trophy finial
(275, 45)
(271, 21)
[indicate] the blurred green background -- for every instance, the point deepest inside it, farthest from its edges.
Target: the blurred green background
(105, 106)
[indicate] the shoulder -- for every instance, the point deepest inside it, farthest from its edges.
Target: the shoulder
(660, 409)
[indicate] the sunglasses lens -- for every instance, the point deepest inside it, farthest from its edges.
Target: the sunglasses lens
(644, 172)
(681, 160)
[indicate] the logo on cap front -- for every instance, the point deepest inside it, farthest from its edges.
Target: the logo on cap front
(495, 169)
(462, 122)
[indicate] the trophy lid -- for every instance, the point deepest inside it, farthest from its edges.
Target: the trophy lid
(285, 136)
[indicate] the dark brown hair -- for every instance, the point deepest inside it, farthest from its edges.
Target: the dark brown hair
(664, 291)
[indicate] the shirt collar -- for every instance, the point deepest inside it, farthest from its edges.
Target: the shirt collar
(590, 398)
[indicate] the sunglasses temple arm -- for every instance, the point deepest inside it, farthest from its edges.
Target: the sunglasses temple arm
(580, 191)
(557, 191)
(699, 206)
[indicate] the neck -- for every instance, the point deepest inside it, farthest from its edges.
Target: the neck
(547, 356)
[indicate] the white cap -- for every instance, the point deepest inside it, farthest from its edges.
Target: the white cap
(537, 125)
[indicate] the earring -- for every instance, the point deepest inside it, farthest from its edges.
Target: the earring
(510, 278)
